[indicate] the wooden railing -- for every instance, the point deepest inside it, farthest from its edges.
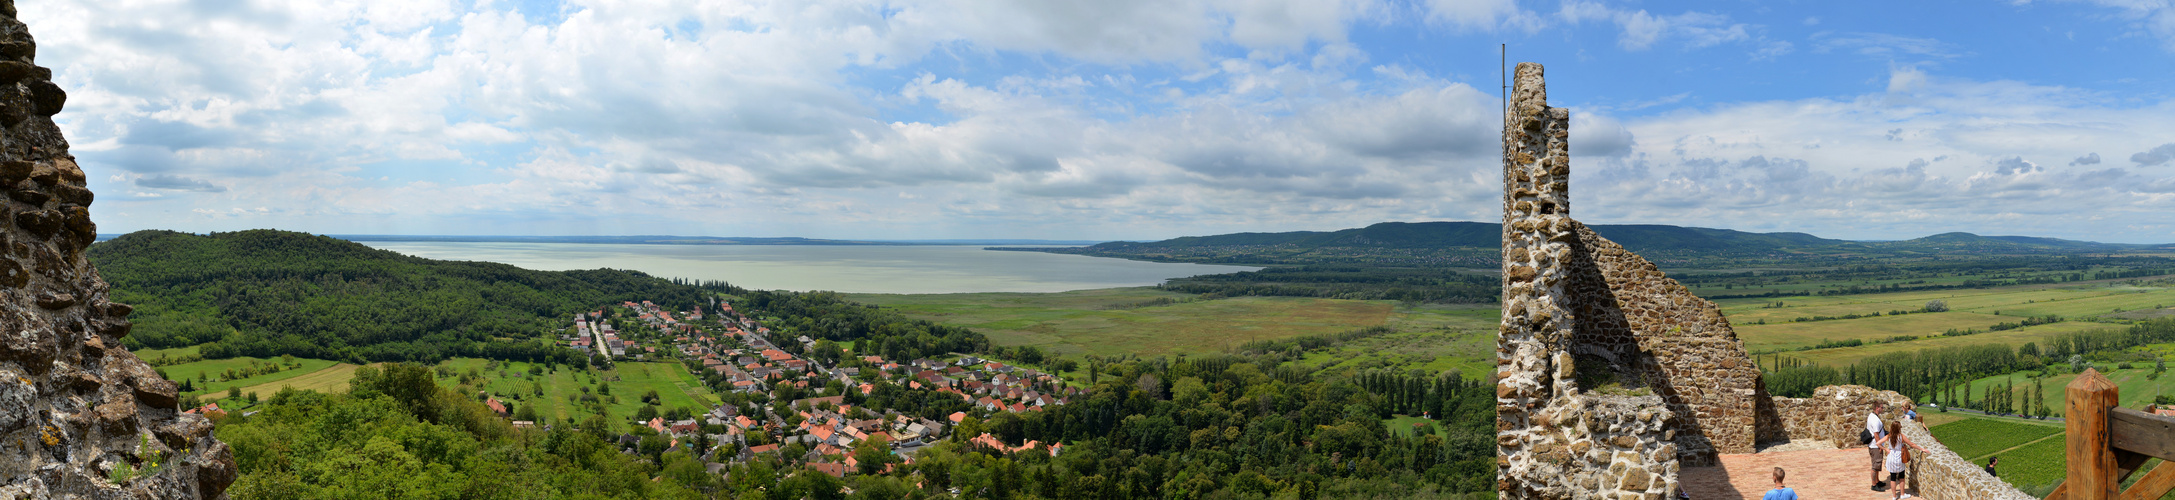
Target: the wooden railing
(2107, 443)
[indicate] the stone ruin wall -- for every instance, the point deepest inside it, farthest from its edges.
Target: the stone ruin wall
(74, 404)
(1656, 333)
(1576, 305)
(1835, 413)
(1554, 440)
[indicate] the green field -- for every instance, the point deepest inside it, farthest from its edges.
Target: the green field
(2136, 389)
(1406, 424)
(2082, 303)
(673, 384)
(1431, 337)
(2031, 452)
(1844, 356)
(329, 380)
(1775, 336)
(1086, 322)
(149, 355)
(2035, 464)
(214, 368)
(1975, 438)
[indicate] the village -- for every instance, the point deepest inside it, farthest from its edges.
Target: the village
(804, 400)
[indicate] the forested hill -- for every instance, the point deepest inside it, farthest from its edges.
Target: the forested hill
(1474, 244)
(267, 292)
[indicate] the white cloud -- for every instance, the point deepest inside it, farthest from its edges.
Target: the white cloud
(1883, 45)
(1968, 153)
(1480, 15)
(2153, 17)
(1641, 30)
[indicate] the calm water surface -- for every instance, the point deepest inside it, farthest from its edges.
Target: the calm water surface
(856, 269)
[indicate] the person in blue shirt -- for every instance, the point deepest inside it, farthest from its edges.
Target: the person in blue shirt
(1780, 492)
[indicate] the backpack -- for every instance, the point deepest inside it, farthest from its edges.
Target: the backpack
(1865, 437)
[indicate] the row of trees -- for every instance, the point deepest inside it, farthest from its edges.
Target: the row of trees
(1938, 375)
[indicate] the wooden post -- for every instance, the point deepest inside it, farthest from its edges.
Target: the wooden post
(2092, 470)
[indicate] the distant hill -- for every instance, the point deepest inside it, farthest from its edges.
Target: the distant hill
(1473, 244)
(266, 293)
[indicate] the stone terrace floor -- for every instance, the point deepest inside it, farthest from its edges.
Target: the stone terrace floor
(1815, 474)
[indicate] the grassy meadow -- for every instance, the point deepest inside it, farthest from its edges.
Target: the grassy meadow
(510, 382)
(328, 380)
(513, 383)
(208, 374)
(2137, 387)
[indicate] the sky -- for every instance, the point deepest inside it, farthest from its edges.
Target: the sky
(1109, 119)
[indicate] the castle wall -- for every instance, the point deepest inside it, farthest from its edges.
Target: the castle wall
(1835, 413)
(1653, 330)
(1672, 386)
(1554, 440)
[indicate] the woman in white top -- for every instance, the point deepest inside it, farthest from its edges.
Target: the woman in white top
(1892, 447)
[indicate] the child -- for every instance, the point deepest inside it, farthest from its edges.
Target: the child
(1892, 445)
(1780, 492)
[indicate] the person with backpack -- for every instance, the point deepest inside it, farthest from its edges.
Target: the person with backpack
(1869, 436)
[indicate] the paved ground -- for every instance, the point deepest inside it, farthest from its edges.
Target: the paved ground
(1815, 474)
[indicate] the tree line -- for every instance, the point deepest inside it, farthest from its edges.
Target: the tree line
(266, 293)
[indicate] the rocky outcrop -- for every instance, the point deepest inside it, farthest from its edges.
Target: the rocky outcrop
(77, 411)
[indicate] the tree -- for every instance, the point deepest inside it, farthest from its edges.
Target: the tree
(654, 445)
(871, 455)
(1936, 306)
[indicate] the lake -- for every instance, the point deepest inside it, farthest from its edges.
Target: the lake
(854, 269)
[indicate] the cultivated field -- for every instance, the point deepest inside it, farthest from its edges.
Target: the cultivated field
(1844, 356)
(2031, 452)
(328, 380)
(1782, 336)
(1097, 321)
(1968, 309)
(216, 368)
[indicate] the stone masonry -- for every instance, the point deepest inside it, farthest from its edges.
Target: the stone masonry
(74, 405)
(1553, 438)
(1611, 377)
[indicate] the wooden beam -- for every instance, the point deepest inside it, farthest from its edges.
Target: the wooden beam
(2155, 483)
(2092, 474)
(2141, 432)
(2061, 492)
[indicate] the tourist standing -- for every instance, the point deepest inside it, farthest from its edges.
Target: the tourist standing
(1780, 492)
(1893, 457)
(1871, 438)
